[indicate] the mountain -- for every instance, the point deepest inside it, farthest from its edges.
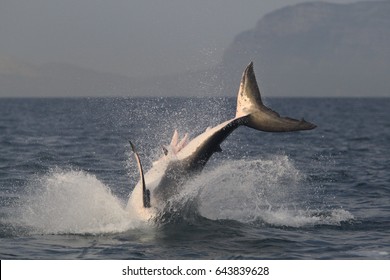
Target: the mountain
(57, 80)
(309, 49)
(317, 49)
(18, 79)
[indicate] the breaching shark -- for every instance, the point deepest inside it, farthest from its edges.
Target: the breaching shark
(183, 159)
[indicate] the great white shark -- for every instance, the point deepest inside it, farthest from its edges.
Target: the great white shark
(183, 159)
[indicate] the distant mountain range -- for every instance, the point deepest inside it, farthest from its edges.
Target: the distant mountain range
(309, 49)
(19, 79)
(318, 49)
(58, 79)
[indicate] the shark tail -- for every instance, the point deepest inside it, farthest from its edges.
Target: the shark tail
(256, 115)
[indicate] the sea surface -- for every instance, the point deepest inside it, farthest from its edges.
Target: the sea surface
(66, 170)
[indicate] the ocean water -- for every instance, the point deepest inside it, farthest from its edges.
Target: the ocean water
(66, 171)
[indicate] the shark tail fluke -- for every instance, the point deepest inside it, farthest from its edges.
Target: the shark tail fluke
(258, 116)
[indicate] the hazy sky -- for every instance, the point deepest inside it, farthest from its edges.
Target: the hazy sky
(134, 38)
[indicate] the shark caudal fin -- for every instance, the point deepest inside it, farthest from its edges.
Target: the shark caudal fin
(259, 116)
(145, 192)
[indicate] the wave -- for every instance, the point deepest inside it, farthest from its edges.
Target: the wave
(72, 202)
(270, 191)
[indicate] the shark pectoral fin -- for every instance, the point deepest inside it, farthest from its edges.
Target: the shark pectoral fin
(145, 192)
(146, 198)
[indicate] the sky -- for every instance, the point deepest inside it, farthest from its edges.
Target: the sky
(136, 38)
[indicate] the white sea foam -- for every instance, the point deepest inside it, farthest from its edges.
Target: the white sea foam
(73, 202)
(270, 190)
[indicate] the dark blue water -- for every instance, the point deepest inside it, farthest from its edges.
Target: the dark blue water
(66, 171)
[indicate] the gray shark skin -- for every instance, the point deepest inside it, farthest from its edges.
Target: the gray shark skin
(261, 117)
(182, 159)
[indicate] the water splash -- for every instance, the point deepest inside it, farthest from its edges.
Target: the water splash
(73, 202)
(271, 191)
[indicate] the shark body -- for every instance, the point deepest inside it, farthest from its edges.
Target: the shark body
(184, 159)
